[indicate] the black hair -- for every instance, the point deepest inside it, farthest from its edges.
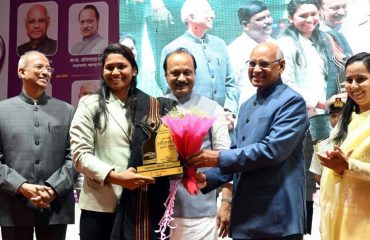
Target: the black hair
(179, 51)
(350, 105)
(294, 4)
(291, 31)
(92, 7)
(250, 9)
(104, 91)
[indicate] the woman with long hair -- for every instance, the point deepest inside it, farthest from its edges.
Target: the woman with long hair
(345, 182)
(107, 135)
(314, 59)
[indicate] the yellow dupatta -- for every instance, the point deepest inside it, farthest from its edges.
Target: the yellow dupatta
(345, 199)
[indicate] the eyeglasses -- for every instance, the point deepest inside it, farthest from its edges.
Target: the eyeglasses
(39, 68)
(261, 64)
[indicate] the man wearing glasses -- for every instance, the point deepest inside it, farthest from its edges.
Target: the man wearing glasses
(36, 174)
(37, 22)
(266, 160)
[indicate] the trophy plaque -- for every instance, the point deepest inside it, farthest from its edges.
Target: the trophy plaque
(159, 154)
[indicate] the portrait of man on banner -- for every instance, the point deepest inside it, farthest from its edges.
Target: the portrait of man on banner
(37, 28)
(92, 25)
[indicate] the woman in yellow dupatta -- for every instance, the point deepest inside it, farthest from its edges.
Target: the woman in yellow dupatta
(345, 184)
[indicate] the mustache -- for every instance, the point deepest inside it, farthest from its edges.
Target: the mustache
(181, 83)
(339, 16)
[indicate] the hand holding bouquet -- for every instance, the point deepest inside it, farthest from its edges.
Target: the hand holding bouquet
(188, 131)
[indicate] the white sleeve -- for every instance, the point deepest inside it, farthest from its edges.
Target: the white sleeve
(82, 134)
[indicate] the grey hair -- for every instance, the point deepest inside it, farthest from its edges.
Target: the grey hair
(279, 54)
(22, 63)
(188, 9)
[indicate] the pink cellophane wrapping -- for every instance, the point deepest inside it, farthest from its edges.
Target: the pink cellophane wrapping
(188, 134)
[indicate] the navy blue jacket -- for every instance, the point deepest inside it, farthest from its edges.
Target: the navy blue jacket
(267, 165)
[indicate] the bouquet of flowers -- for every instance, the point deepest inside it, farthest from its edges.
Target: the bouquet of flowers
(188, 131)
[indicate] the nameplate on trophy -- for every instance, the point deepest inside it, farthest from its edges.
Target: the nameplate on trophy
(160, 155)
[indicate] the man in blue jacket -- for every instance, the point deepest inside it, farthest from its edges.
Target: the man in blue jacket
(266, 157)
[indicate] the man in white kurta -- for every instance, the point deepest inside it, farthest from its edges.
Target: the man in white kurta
(256, 22)
(196, 215)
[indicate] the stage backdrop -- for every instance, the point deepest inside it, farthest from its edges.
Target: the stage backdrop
(152, 27)
(71, 71)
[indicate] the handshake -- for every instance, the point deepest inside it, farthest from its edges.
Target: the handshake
(40, 196)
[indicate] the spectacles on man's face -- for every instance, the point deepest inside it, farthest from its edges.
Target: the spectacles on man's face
(261, 64)
(40, 67)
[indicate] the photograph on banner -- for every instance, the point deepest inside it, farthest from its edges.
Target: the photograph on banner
(71, 33)
(37, 27)
(82, 88)
(90, 20)
(4, 48)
